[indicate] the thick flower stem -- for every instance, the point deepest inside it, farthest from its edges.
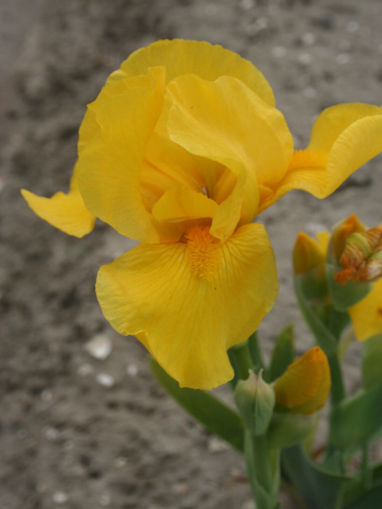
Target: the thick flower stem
(263, 471)
(337, 387)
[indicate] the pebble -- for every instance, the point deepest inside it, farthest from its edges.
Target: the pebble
(99, 347)
(59, 497)
(279, 51)
(132, 370)
(105, 380)
(51, 433)
(217, 445)
(343, 58)
(85, 370)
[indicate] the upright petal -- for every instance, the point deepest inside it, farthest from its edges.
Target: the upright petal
(189, 302)
(226, 122)
(344, 138)
(366, 315)
(113, 138)
(200, 58)
(65, 211)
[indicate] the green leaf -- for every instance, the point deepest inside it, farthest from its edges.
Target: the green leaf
(208, 410)
(371, 499)
(372, 362)
(319, 488)
(283, 354)
(355, 420)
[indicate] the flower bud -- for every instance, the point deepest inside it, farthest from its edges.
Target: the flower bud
(304, 387)
(344, 290)
(361, 258)
(309, 264)
(255, 400)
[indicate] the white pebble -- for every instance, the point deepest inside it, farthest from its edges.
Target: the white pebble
(59, 497)
(132, 370)
(99, 347)
(105, 379)
(279, 51)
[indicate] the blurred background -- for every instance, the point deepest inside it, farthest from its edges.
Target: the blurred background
(83, 424)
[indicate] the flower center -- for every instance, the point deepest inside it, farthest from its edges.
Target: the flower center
(203, 251)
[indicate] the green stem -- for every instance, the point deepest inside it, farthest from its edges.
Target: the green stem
(337, 387)
(366, 472)
(263, 471)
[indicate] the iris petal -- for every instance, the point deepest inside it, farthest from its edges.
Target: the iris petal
(189, 302)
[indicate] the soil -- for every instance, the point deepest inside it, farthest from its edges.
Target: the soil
(72, 437)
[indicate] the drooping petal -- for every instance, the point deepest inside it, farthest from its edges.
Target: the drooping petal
(366, 315)
(197, 57)
(65, 211)
(226, 122)
(113, 138)
(344, 138)
(189, 302)
(305, 385)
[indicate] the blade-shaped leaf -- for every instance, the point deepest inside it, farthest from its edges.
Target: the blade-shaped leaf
(320, 489)
(283, 354)
(208, 410)
(355, 420)
(372, 362)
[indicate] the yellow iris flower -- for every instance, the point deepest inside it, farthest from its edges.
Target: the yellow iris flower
(181, 150)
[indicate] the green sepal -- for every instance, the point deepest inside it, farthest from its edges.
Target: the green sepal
(208, 410)
(356, 420)
(287, 429)
(283, 354)
(348, 294)
(372, 362)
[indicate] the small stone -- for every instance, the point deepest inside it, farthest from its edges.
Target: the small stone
(51, 434)
(310, 92)
(216, 445)
(343, 58)
(352, 26)
(180, 488)
(132, 370)
(305, 58)
(308, 39)
(59, 497)
(2, 184)
(99, 347)
(279, 51)
(120, 462)
(85, 370)
(247, 5)
(105, 380)
(105, 499)
(249, 504)
(46, 395)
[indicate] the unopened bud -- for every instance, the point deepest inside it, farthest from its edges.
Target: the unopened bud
(255, 400)
(361, 258)
(342, 231)
(309, 263)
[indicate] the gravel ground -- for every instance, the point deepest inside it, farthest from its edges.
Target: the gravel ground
(78, 432)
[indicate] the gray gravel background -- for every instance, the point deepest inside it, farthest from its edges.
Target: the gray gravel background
(71, 437)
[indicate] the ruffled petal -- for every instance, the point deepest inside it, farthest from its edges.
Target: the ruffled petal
(226, 122)
(344, 138)
(200, 58)
(113, 139)
(65, 211)
(367, 314)
(189, 302)
(305, 385)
